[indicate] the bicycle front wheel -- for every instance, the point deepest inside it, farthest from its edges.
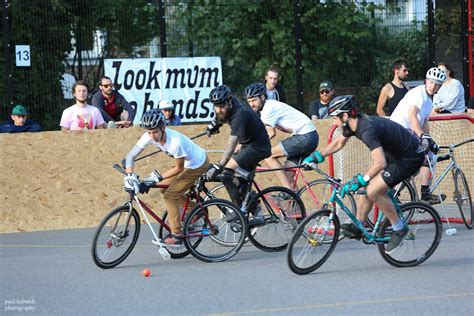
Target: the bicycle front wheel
(215, 230)
(313, 242)
(462, 196)
(115, 237)
(282, 210)
(316, 195)
(422, 240)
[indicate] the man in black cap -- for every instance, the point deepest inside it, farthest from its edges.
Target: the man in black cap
(19, 122)
(318, 109)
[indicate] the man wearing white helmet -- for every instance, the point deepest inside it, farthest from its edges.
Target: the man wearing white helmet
(167, 108)
(413, 112)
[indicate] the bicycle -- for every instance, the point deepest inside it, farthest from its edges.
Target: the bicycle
(461, 194)
(316, 236)
(314, 194)
(280, 208)
(118, 232)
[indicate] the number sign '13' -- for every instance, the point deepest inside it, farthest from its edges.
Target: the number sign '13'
(22, 55)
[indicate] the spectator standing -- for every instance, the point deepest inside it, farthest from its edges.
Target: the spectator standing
(168, 110)
(394, 91)
(450, 97)
(274, 89)
(318, 109)
(112, 105)
(19, 122)
(81, 116)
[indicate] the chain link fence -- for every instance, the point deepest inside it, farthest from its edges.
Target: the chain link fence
(352, 43)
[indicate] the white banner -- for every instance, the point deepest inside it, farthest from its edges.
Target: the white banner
(186, 82)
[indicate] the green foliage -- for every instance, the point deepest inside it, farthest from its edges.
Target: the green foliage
(345, 42)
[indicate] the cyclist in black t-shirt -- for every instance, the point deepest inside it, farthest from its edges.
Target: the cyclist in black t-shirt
(396, 155)
(248, 142)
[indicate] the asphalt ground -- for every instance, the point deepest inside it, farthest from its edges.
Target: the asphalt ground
(52, 273)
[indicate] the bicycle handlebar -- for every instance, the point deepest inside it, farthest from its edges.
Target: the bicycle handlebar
(457, 145)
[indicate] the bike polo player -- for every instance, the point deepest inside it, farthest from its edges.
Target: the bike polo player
(396, 155)
(190, 163)
(248, 143)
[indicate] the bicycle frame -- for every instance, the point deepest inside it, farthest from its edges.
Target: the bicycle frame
(297, 174)
(370, 237)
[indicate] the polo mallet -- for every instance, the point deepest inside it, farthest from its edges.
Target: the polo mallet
(451, 230)
(159, 150)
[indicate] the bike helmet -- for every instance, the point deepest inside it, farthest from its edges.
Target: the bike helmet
(254, 90)
(436, 74)
(341, 104)
(220, 94)
(152, 119)
(166, 105)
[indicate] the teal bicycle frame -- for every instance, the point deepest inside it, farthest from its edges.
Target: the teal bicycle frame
(370, 237)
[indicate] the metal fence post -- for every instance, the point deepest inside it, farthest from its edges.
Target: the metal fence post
(298, 56)
(161, 10)
(465, 47)
(7, 55)
(431, 33)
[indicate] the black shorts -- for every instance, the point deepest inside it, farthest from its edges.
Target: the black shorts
(402, 168)
(249, 156)
(297, 147)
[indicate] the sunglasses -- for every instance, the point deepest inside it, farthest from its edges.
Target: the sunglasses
(107, 85)
(325, 92)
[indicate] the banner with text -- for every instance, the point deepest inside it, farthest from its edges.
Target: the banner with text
(186, 82)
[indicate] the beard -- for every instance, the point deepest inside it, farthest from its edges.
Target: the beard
(222, 117)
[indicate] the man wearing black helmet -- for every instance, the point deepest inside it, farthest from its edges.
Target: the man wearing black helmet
(190, 163)
(396, 155)
(248, 142)
(278, 115)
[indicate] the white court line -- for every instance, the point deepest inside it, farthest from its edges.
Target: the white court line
(351, 303)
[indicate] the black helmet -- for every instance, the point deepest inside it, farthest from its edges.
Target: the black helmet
(220, 94)
(152, 119)
(254, 90)
(341, 104)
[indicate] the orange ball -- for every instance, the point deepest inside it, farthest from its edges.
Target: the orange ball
(146, 272)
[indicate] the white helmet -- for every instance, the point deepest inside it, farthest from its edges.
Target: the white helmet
(436, 74)
(165, 105)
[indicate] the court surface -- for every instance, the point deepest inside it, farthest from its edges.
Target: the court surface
(52, 273)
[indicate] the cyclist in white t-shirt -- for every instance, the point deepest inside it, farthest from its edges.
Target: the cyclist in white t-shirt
(190, 163)
(413, 112)
(278, 115)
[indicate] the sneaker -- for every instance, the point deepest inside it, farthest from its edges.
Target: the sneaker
(351, 231)
(173, 240)
(258, 217)
(396, 240)
(432, 198)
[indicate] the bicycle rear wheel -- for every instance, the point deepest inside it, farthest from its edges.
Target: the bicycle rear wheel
(422, 240)
(282, 210)
(176, 253)
(462, 196)
(215, 230)
(316, 194)
(313, 242)
(115, 237)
